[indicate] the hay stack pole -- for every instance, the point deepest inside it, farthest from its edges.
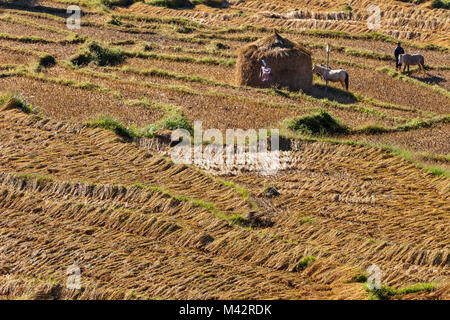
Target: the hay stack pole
(290, 62)
(328, 65)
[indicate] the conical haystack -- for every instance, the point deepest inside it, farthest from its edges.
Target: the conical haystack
(290, 63)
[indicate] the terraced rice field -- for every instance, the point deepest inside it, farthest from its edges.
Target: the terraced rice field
(142, 227)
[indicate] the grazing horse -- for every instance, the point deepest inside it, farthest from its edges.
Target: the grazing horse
(412, 59)
(332, 75)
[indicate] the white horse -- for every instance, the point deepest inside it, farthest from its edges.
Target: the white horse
(412, 59)
(332, 75)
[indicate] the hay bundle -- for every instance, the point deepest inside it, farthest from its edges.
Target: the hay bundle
(291, 63)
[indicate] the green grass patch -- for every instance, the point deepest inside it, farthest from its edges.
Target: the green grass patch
(304, 262)
(209, 3)
(235, 219)
(180, 123)
(115, 21)
(437, 171)
(100, 54)
(412, 124)
(361, 278)
(16, 101)
(373, 129)
(441, 4)
(46, 61)
(435, 157)
(434, 47)
(173, 119)
(304, 220)
(245, 194)
(319, 123)
(110, 123)
(386, 292)
(417, 288)
(27, 176)
(119, 3)
(239, 220)
(173, 4)
(24, 39)
(382, 293)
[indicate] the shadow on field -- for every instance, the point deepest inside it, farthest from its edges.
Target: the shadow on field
(31, 5)
(334, 94)
(429, 79)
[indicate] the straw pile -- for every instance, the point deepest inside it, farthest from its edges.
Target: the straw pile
(290, 63)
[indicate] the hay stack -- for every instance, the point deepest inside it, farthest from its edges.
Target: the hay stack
(290, 62)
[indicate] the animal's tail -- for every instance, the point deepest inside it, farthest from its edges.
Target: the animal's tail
(346, 81)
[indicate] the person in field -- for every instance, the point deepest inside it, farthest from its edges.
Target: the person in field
(397, 52)
(266, 74)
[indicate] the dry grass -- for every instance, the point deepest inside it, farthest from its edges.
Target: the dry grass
(10, 57)
(77, 104)
(19, 30)
(142, 227)
(103, 215)
(398, 22)
(213, 72)
(434, 140)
